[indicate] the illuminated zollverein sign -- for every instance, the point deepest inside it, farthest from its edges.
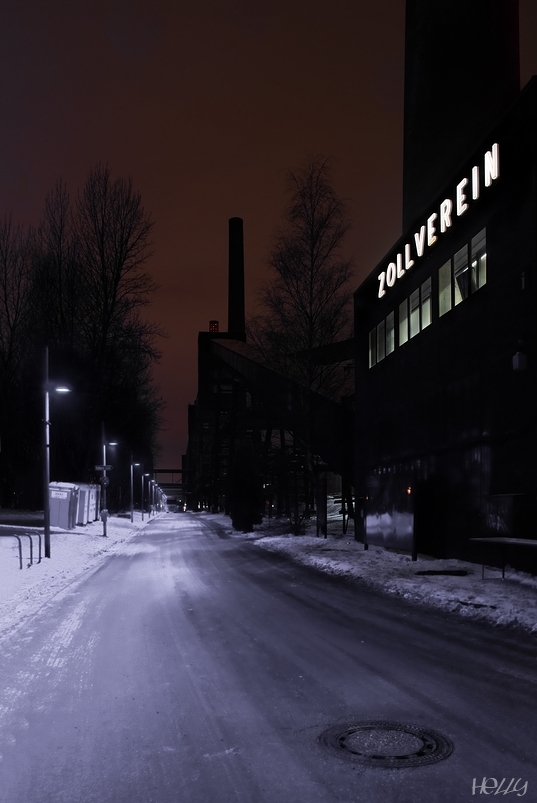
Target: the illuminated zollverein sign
(468, 189)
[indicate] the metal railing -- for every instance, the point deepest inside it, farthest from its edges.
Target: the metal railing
(29, 536)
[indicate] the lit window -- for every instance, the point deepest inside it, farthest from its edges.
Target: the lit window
(444, 288)
(426, 303)
(390, 333)
(372, 347)
(479, 260)
(381, 341)
(403, 322)
(414, 313)
(461, 274)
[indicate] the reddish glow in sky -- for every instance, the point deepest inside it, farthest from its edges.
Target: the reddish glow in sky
(207, 104)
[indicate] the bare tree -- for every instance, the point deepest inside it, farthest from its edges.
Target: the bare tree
(114, 243)
(79, 286)
(307, 302)
(114, 239)
(16, 249)
(307, 305)
(57, 278)
(16, 246)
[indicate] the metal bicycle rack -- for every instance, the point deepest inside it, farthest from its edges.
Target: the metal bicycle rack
(18, 536)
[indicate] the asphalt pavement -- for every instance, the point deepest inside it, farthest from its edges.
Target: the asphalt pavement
(195, 667)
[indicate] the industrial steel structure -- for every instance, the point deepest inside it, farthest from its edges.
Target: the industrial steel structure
(443, 418)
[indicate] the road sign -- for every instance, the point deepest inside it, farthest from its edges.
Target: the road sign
(103, 468)
(105, 481)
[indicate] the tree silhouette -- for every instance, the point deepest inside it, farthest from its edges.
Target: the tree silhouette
(307, 301)
(16, 253)
(78, 285)
(306, 305)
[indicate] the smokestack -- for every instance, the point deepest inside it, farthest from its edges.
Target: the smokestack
(462, 72)
(236, 317)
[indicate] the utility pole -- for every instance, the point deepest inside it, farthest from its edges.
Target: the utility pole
(46, 473)
(104, 482)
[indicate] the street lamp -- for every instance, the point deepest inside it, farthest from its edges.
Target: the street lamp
(48, 386)
(132, 488)
(143, 501)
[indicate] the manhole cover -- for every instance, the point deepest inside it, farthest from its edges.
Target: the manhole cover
(387, 744)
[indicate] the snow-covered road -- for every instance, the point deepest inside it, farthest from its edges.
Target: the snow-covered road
(509, 603)
(190, 665)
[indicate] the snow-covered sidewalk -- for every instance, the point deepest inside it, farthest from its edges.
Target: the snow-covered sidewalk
(453, 586)
(73, 553)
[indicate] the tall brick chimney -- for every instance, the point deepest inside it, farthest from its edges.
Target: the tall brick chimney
(236, 316)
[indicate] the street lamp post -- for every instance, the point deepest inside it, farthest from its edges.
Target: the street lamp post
(143, 500)
(46, 462)
(104, 481)
(142, 497)
(132, 488)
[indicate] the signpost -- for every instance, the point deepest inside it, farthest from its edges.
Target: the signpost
(104, 479)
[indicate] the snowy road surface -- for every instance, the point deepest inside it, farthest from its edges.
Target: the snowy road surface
(192, 667)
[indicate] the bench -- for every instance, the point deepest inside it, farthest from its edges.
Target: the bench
(504, 543)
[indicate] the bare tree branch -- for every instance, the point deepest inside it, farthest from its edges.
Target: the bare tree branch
(307, 302)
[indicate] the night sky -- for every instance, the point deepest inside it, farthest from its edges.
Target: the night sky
(207, 104)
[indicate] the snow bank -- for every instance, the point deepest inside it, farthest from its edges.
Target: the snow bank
(73, 553)
(510, 603)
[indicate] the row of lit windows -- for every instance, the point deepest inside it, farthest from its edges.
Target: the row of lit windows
(461, 275)
(464, 274)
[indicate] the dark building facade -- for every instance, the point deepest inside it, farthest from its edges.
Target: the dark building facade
(461, 74)
(445, 332)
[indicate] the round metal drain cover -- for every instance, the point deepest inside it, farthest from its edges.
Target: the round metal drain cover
(387, 744)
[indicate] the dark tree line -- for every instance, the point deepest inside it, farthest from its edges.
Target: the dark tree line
(78, 283)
